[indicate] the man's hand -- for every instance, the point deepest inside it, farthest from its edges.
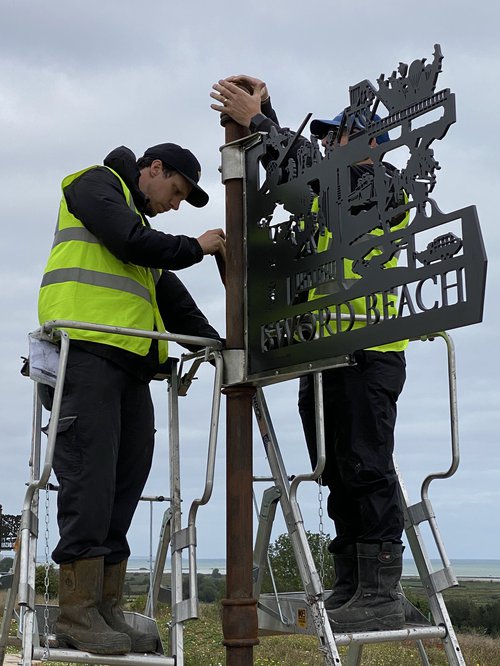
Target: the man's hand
(212, 241)
(240, 105)
(251, 83)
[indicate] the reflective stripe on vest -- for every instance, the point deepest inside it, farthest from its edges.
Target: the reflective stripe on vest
(96, 279)
(74, 234)
(83, 281)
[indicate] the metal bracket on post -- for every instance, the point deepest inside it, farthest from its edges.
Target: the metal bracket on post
(233, 156)
(234, 369)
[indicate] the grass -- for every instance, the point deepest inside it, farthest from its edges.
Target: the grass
(203, 643)
(203, 647)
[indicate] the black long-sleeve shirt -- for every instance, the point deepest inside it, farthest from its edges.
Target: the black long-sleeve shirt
(97, 199)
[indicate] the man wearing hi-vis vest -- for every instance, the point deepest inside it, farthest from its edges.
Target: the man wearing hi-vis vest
(359, 416)
(108, 266)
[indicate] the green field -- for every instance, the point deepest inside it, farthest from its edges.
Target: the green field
(479, 591)
(203, 647)
(474, 606)
(203, 637)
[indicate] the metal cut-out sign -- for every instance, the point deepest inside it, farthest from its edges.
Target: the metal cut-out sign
(345, 252)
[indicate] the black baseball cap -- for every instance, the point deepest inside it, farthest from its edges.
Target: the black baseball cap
(184, 162)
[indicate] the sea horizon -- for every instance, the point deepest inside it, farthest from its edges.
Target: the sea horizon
(463, 567)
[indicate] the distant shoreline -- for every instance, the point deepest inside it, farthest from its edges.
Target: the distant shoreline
(464, 579)
(407, 577)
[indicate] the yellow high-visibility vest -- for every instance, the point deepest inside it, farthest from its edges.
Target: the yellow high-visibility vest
(359, 304)
(84, 281)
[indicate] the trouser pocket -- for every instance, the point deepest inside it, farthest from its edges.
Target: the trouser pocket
(67, 453)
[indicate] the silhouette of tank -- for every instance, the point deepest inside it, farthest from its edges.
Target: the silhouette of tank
(441, 248)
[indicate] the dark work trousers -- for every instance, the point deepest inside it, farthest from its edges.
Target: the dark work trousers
(102, 457)
(360, 416)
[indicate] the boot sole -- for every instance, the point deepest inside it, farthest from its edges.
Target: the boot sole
(144, 645)
(141, 641)
(387, 623)
(67, 641)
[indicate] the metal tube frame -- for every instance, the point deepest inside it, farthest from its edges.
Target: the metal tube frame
(176, 628)
(29, 521)
(209, 478)
(455, 451)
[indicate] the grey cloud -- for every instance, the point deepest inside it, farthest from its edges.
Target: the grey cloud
(76, 79)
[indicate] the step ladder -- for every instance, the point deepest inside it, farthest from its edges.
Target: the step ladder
(304, 612)
(35, 638)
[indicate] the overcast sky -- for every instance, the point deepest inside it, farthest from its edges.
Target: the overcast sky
(80, 78)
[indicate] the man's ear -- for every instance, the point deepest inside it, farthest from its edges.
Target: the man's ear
(155, 168)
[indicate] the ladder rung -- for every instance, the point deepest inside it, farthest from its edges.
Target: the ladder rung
(186, 610)
(183, 538)
(420, 512)
(440, 580)
(410, 633)
(79, 657)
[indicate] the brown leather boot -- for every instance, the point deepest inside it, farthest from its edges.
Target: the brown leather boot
(80, 624)
(112, 591)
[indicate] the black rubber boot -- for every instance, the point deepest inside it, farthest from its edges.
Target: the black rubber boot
(112, 592)
(346, 578)
(80, 624)
(377, 605)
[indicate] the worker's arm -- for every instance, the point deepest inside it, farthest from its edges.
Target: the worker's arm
(96, 198)
(246, 100)
(179, 311)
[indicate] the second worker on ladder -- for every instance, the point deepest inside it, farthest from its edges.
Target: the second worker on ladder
(359, 413)
(108, 266)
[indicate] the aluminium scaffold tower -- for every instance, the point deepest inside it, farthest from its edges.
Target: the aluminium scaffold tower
(48, 355)
(304, 612)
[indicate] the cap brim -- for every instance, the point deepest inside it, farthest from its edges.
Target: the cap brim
(319, 127)
(197, 197)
